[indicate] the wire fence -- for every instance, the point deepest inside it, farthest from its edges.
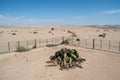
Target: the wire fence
(98, 44)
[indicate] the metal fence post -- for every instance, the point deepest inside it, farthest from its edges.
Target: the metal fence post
(9, 47)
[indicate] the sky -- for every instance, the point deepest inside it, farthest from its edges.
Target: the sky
(59, 12)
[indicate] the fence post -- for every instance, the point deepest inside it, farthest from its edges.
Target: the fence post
(35, 45)
(109, 45)
(62, 38)
(100, 44)
(93, 43)
(9, 47)
(18, 45)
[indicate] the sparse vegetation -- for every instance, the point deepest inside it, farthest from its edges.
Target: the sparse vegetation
(22, 49)
(77, 39)
(52, 29)
(65, 42)
(72, 34)
(52, 33)
(102, 35)
(49, 32)
(1, 32)
(35, 32)
(13, 33)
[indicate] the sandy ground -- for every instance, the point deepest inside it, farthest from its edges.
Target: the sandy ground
(31, 65)
(27, 33)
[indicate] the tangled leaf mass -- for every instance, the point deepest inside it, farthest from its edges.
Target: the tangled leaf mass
(66, 58)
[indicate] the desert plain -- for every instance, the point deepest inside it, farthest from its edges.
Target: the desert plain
(31, 65)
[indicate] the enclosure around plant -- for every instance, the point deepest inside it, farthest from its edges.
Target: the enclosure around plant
(98, 44)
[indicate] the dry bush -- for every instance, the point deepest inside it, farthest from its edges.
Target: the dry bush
(13, 33)
(72, 33)
(77, 39)
(52, 29)
(22, 49)
(49, 32)
(35, 32)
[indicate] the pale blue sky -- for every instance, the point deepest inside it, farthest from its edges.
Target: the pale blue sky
(59, 12)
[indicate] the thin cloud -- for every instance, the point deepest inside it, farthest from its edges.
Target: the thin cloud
(23, 20)
(112, 11)
(79, 17)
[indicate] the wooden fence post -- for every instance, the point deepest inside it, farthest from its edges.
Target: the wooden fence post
(62, 38)
(9, 47)
(93, 43)
(18, 45)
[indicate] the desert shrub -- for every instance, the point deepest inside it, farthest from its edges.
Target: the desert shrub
(15, 30)
(1, 32)
(13, 33)
(52, 33)
(35, 32)
(69, 31)
(65, 42)
(72, 33)
(97, 30)
(102, 35)
(52, 29)
(22, 49)
(77, 39)
(114, 30)
(49, 32)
